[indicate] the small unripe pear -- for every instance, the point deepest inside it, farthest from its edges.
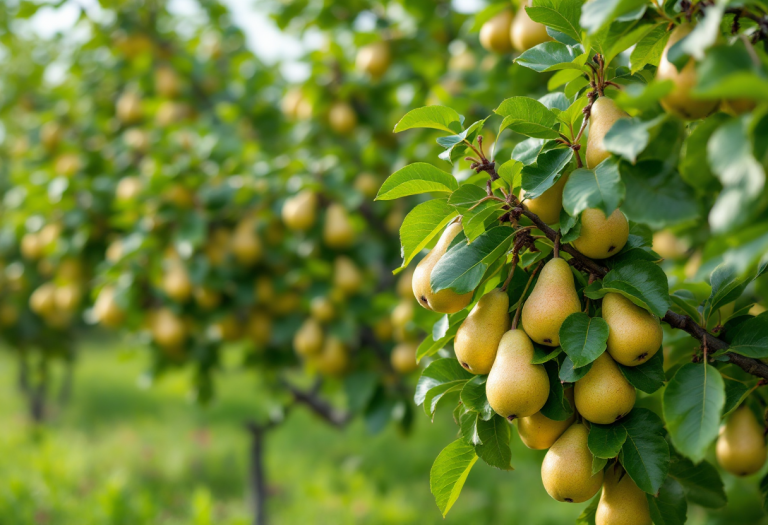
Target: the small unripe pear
(308, 340)
(168, 330)
(167, 82)
(245, 244)
(601, 238)
(495, 33)
(346, 275)
(342, 118)
(31, 248)
(741, 446)
(403, 357)
(67, 297)
(43, 299)
(374, 59)
(67, 164)
(299, 212)
(548, 205)
(50, 134)
(106, 310)
(367, 184)
(338, 232)
(129, 107)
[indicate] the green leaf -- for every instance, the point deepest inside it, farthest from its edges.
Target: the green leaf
(686, 302)
(560, 15)
(538, 179)
(468, 423)
(628, 137)
(649, 376)
(642, 282)
(439, 372)
(669, 506)
(528, 150)
(415, 179)
(704, 34)
(449, 472)
(553, 56)
(735, 392)
(694, 165)
(542, 354)
(510, 172)
(450, 143)
(432, 344)
(648, 51)
(495, 435)
(440, 392)
(568, 374)
(462, 268)
(474, 398)
(466, 196)
(601, 188)
(701, 482)
(486, 14)
(435, 117)
(645, 453)
(587, 516)
(597, 14)
(557, 406)
(605, 441)
(693, 402)
(422, 224)
(764, 492)
(727, 286)
(729, 72)
(752, 338)
(643, 97)
(583, 338)
(528, 117)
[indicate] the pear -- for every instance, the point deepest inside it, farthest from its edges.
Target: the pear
(67, 297)
(128, 108)
(167, 83)
(622, 502)
(333, 360)
(383, 329)
(218, 246)
(525, 33)
(168, 330)
(603, 116)
(227, 328)
(31, 246)
(604, 395)
(548, 205)
(538, 432)
(245, 244)
(495, 33)
(367, 184)
(374, 59)
(51, 134)
(128, 188)
(9, 315)
(737, 106)
(207, 298)
(342, 118)
(741, 445)
(403, 357)
(478, 337)
(264, 290)
(106, 310)
(405, 284)
(338, 232)
(600, 237)
(679, 102)
(176, 283)
(516, 388)
(666, 244)
(308, 340)
(299, 212)
(346, 276)
(445, 301)
(43, 299)
(285, 303)
(322, 309)
(635, 334)
(567, 467)
(259, 327)
(552, 300)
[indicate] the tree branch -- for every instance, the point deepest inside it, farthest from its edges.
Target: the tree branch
(317, 405)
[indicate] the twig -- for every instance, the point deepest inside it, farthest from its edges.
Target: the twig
(515, 260)
(522, 297)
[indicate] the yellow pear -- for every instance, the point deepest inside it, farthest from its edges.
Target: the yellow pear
(374, 59)
(405, 284)
(679, 102)
(367, 184)
(525, 33)
(322, 309)
(333, 360)
(741, 445)
(43, 299)
(207, 298)
(308, 339)
(600, 237)
(50, 134)
(756, 309)
(176, 283)
(603, 116)
(245, 244)
(622, 502)
(129, 107)
(67, 164)
(346, 275)
(635, 334)
(567, 468)
(49, 234)
(264, 290)
(552, 300)
(300, 211)
(445, 301)
(403, 313)
(403, 357)
(128, 188)
(31, 247)
(604, 395)
(516, 388)
(168, 330)
(538, 432)
(295, 105)
(106, 310)
(464, 60)
(338, 231)
(667, 245)
(495, 33)
(548, 205)
(67, 297)
(342, 118)
(167, 83)
(478, 337)
(259, 327)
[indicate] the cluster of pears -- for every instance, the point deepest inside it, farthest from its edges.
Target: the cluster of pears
(505, 32)
(741, 446)
(299, 213)
(403, 356)
(323, 352)
(58, 300)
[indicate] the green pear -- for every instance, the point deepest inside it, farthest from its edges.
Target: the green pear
(635, 334)
(516, 388)
(525, 33)
(622, 502)
(679, 102)
(552, 300)
(338, 231)
(308, 340)
(567, 468)
(477, 339)
(600, 237)
(444, 301)
(603, 116)
(548, 205)
(604, 395)
(495, 33)
(299, 212)
(538, 432)
(741, 445)
(346, 276)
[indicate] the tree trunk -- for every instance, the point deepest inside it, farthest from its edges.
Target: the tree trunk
(37, 403)
(256, 474)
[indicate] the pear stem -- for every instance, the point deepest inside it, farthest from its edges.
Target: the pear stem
(522, 297)
(515, 260)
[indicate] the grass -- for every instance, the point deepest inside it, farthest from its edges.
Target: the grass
(118, 454)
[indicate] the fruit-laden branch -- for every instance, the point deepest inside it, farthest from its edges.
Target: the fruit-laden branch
(319, 406)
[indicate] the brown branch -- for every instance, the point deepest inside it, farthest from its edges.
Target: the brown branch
(317, 405)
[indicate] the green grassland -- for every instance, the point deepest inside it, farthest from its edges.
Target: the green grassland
(120, 454)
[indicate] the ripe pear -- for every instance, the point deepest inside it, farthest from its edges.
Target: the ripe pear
(207, 298)
(295, 105)
(478, 337)
(445, 301)
(300, 211)
(666, 244)
(43, 299)
(334, 358)
(374, 59)
(403, 313)
(567, 468)
(31, 247)
(552, 300)
(167, 83)
(622, 502)
(600, 237)
(548, 205)
(338, 232)
(245, 244)
(67, 164)
(129, 107)
(342, 118)
(176, 283)
(741, 445)
(367, 184)
(495, 33)
(525, 33)
(168, 329)
(128, 188)
(259, 327)
(635, 334)
(322, 309)
(403, 357)
(67, 297)
(603, 116)
(308, 339)
(106, 310)
(346, 275)
(679, 102)
(604, 395)
(538, 432)
(405, 284)
(515, 387)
